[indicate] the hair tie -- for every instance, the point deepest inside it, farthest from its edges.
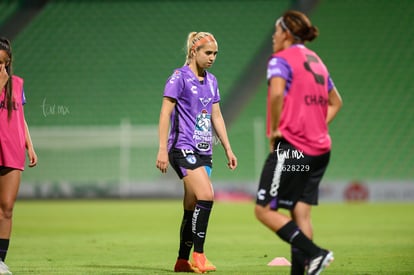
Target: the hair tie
(281, 21)
(203, 40)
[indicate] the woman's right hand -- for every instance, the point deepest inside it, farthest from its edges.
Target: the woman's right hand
(4, 76)
(162, 161)
(275, 135)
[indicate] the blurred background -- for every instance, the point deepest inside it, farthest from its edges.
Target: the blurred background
(95, 71)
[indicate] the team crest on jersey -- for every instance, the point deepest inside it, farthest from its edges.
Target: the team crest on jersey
(191, 159)
(205, 100)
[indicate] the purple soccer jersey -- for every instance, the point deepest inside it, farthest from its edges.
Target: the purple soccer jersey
(191, 126)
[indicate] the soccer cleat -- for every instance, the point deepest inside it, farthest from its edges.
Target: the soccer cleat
(201, 263)
(319, 262)
(183, 265)
(4, 269)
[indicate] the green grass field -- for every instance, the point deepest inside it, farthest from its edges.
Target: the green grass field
(141, 237)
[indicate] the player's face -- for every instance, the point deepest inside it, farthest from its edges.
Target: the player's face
(206, 55)
(278, 38)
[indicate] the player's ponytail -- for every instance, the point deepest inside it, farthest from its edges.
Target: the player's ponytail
(299, 25)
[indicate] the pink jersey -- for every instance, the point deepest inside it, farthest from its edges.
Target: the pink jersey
(305, 104)
(12, 132)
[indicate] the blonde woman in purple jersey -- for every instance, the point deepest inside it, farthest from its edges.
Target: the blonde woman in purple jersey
(302, 100)
(14, 142)
(191, 109)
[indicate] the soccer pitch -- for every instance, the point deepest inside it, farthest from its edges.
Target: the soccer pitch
(141, 237)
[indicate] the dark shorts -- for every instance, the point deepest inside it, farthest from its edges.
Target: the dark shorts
(181, 160)
(289, 176)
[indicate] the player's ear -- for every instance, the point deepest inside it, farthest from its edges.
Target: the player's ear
(288, 35)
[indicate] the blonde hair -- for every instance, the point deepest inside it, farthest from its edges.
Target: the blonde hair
(195, 40)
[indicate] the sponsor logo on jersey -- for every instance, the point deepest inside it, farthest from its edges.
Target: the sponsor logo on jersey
(174, 76)
(273, 61)
(273, 72)
(203, 146)
(203, 121)
(261, 194)
(316, 100)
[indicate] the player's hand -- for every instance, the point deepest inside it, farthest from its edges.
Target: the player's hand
(275, 135)
(162, 161)
(4, 76)
(32, 157)
(232, 160)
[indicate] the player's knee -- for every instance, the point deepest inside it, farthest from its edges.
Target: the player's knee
(6, 211)
(206, 195)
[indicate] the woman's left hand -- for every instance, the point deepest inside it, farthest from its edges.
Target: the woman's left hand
(32, 157)
(232, 160)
